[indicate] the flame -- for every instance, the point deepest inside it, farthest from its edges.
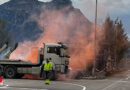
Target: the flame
(63, 25)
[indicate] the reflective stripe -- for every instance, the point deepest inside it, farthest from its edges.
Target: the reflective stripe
(47, 81)
(48, 66)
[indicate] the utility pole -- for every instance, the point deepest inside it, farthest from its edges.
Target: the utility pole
(95, 43)
(116, 24)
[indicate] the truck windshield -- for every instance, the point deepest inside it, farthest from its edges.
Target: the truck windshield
(55, 50)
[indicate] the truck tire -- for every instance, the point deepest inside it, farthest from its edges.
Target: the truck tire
(10, 72)
(1, 70)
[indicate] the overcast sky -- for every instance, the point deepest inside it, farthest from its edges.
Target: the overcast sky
(113, 8)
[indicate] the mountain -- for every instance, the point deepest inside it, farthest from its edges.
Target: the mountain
(59, 21)
(17, 13)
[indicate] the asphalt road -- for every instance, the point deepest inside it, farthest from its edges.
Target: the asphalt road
(117, 82)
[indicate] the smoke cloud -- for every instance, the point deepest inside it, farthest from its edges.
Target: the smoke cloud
(67, 25)
(87, 7)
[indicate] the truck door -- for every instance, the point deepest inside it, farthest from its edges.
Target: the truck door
(54, 53)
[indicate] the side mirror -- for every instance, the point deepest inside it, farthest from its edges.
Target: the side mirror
(65, 47)
(67, 56)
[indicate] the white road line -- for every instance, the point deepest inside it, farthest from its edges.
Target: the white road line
(124, 81)
(121, 80)
(28, 88)
(22, 88)
(112, 84)
(128, 76)
(3, 86)
(6, 87)
(84, 88)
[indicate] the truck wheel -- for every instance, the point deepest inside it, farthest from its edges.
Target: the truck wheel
(1, 70)
(10, 72)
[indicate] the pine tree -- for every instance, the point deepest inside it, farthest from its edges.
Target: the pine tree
(121, 42)
(115, 43)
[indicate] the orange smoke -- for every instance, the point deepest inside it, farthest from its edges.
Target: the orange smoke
(32, 55)
(71, 28)
(31, 76)
(64, 25)
(27, 51)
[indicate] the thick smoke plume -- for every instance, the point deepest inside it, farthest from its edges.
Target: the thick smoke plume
(66, 25)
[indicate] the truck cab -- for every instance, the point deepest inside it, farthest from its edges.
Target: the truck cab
(57, 53)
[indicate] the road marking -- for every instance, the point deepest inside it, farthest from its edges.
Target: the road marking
(112, 84)
(128, 76)
(7, 87)
(3, 86)
(27, 88)
(22, 88)
(84, 88)
(124, 81)
(121, 80)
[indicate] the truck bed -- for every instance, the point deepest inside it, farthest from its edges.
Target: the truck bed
(19, 63)
(11, 61)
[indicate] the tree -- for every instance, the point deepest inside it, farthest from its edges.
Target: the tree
(114, 44)
(121, 42)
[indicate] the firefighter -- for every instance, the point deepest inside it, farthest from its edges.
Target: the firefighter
(53, 66)
(47, 71)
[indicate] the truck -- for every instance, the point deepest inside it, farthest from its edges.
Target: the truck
(18, 68)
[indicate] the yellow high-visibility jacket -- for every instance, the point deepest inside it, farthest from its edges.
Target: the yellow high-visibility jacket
(47, 66)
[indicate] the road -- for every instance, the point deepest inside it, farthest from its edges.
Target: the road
(117, 82)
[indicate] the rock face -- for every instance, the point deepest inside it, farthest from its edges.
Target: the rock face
(32, 23)
(17, 13)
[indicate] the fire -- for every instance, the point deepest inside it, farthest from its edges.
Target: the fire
(63, 25)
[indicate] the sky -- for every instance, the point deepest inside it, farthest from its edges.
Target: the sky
(112, 8)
